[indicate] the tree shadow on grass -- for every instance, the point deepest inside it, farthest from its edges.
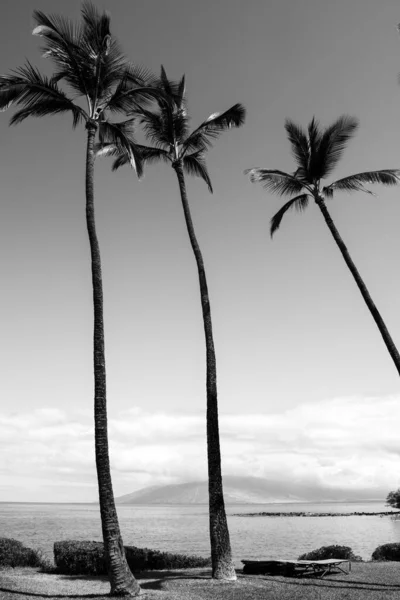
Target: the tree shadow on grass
(64, 577)
(154, 580)
(40, 595)
(164, 574)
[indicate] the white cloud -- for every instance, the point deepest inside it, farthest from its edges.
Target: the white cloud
(348, 443)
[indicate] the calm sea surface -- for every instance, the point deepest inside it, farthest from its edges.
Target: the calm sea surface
(184, 529)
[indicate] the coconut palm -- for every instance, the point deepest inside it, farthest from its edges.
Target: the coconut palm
(317, 152)
(92, 68)
(167, 128)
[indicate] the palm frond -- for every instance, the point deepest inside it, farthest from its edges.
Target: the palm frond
(107, 149)
(120, 135)
(314, 135)
(101, 48)
(140, 76)
(180, 125)
(300, 203)
(180, 96)
(302, 175)
(332, 145)
(151, 155)
(38, 95)
(299, 142)
(148, 155)
(154, 127)
(275, 181)
(195, 164)
(46, 108)
(168, 86)
(120, 161)
(172, 90)
(112, 65)
(314, 140)
(116, 133)
(96, 27)
(103, 52)
(211, 128)
(135, 88)
(56, 31)
(62, 44)
(11, 89)
(357, 182)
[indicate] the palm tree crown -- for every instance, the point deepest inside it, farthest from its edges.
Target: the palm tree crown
(168, 130)
(317, 152)
(92, 67)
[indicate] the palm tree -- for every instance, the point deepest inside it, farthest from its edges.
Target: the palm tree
(168, 129)
(91, 65)
(317, 153)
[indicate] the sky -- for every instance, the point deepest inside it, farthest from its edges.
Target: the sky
(306, 386)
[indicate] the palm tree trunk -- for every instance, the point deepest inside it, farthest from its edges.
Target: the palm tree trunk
(221, 555)
(361, 286)
(122, 581)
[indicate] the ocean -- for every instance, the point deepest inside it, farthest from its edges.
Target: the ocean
(184, 528)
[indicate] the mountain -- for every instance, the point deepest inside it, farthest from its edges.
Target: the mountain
(245, 490)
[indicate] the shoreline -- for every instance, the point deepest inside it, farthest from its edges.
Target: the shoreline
(317, 514)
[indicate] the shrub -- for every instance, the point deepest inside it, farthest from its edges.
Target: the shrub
(79, 558)
(334, 551)
(144, 559)
(87, 558)
(387, 552)
(15, 554)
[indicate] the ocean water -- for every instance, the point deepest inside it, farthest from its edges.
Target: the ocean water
(184, 529)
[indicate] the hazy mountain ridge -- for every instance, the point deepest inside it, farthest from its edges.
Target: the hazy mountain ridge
(246, 490)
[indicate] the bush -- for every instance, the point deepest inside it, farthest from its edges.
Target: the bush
(334, 551)
(79, 558)
(15, 554)
(87, 558)
(387, 552)
(144, 559)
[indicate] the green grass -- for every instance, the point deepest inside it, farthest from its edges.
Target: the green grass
(367, 581)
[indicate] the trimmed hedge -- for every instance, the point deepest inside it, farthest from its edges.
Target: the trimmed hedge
(87, 558)
(15, 554)
(387, 552)
(334, 551)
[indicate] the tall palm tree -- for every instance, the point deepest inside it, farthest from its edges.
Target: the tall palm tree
(168, 129)
(317, 153)
(91, 66)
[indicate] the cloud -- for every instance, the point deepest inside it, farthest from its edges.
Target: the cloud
(341, 443)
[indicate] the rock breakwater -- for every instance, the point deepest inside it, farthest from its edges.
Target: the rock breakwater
(318, 514)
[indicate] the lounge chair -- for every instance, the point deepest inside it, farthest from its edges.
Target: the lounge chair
(295, 568)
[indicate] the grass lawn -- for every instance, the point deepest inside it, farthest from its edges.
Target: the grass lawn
(366, 581)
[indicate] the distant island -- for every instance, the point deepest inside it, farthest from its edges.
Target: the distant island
(248, 490)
